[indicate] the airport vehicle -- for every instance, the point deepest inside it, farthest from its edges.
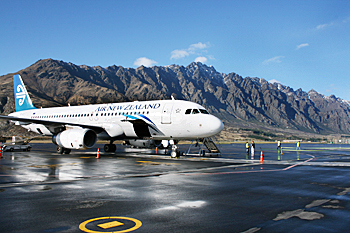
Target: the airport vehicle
(14, 147)
(17, 143)
(79, 127)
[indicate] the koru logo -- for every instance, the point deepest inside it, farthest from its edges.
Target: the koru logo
(20, 95)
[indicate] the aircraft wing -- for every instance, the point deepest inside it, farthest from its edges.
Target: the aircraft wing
(138, 122)
(50, 123)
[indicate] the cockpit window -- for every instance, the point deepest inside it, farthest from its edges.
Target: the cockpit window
(203, 111)
(195, 111)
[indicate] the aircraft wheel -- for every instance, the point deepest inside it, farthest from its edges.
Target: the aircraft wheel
(110, 147)
(60, 149)
(66, 151)
(174, 154)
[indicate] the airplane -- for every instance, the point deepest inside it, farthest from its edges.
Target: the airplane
(79, 127)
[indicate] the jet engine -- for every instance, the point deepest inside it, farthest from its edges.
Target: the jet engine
(75, 139)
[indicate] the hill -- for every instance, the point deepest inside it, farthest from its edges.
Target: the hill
(242, 103)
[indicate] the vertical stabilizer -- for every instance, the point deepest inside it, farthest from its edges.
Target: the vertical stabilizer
(22, 99)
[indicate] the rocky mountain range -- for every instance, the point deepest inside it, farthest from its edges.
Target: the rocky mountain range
(240, 102)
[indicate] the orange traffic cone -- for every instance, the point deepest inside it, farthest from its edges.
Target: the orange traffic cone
(98, 153)
(156, 150)
(281, 151)
(262, 157)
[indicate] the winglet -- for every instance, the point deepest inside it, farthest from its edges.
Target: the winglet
(22, 99)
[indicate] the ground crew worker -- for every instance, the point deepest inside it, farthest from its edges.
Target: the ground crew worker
(247, 147)
(298, 145)
(279, 145)
(253, 149)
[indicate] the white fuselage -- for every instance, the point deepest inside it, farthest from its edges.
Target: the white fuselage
(168, 119)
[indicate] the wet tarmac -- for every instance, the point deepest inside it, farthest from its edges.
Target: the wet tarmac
(297, 191)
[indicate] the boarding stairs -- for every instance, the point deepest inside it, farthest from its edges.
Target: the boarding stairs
(201, 144)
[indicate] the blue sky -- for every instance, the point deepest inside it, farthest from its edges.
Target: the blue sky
(301, 44)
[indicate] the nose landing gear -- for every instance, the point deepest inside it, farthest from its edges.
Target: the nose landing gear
(175, 153)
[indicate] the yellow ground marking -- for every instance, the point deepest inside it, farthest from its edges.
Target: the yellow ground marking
(148, 162)
(110, 224)
(156, 163)
(86, 157)
(53, 165)
(138, 224)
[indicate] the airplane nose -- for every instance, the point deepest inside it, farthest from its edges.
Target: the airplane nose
(216, 125)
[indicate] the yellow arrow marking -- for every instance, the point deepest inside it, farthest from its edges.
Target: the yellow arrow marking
(110, 224)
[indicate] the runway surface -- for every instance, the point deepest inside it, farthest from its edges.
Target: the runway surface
(297, 191)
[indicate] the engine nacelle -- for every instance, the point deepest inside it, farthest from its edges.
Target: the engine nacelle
(75, 139)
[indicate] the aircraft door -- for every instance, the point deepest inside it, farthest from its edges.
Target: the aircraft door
(166, 114)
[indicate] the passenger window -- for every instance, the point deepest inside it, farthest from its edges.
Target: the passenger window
(195, 111)
(188, 111)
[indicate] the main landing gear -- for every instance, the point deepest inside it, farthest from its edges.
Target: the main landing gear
(62, 150)
(110, 147)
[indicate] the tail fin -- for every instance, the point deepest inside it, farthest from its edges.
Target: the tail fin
(22, 99)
